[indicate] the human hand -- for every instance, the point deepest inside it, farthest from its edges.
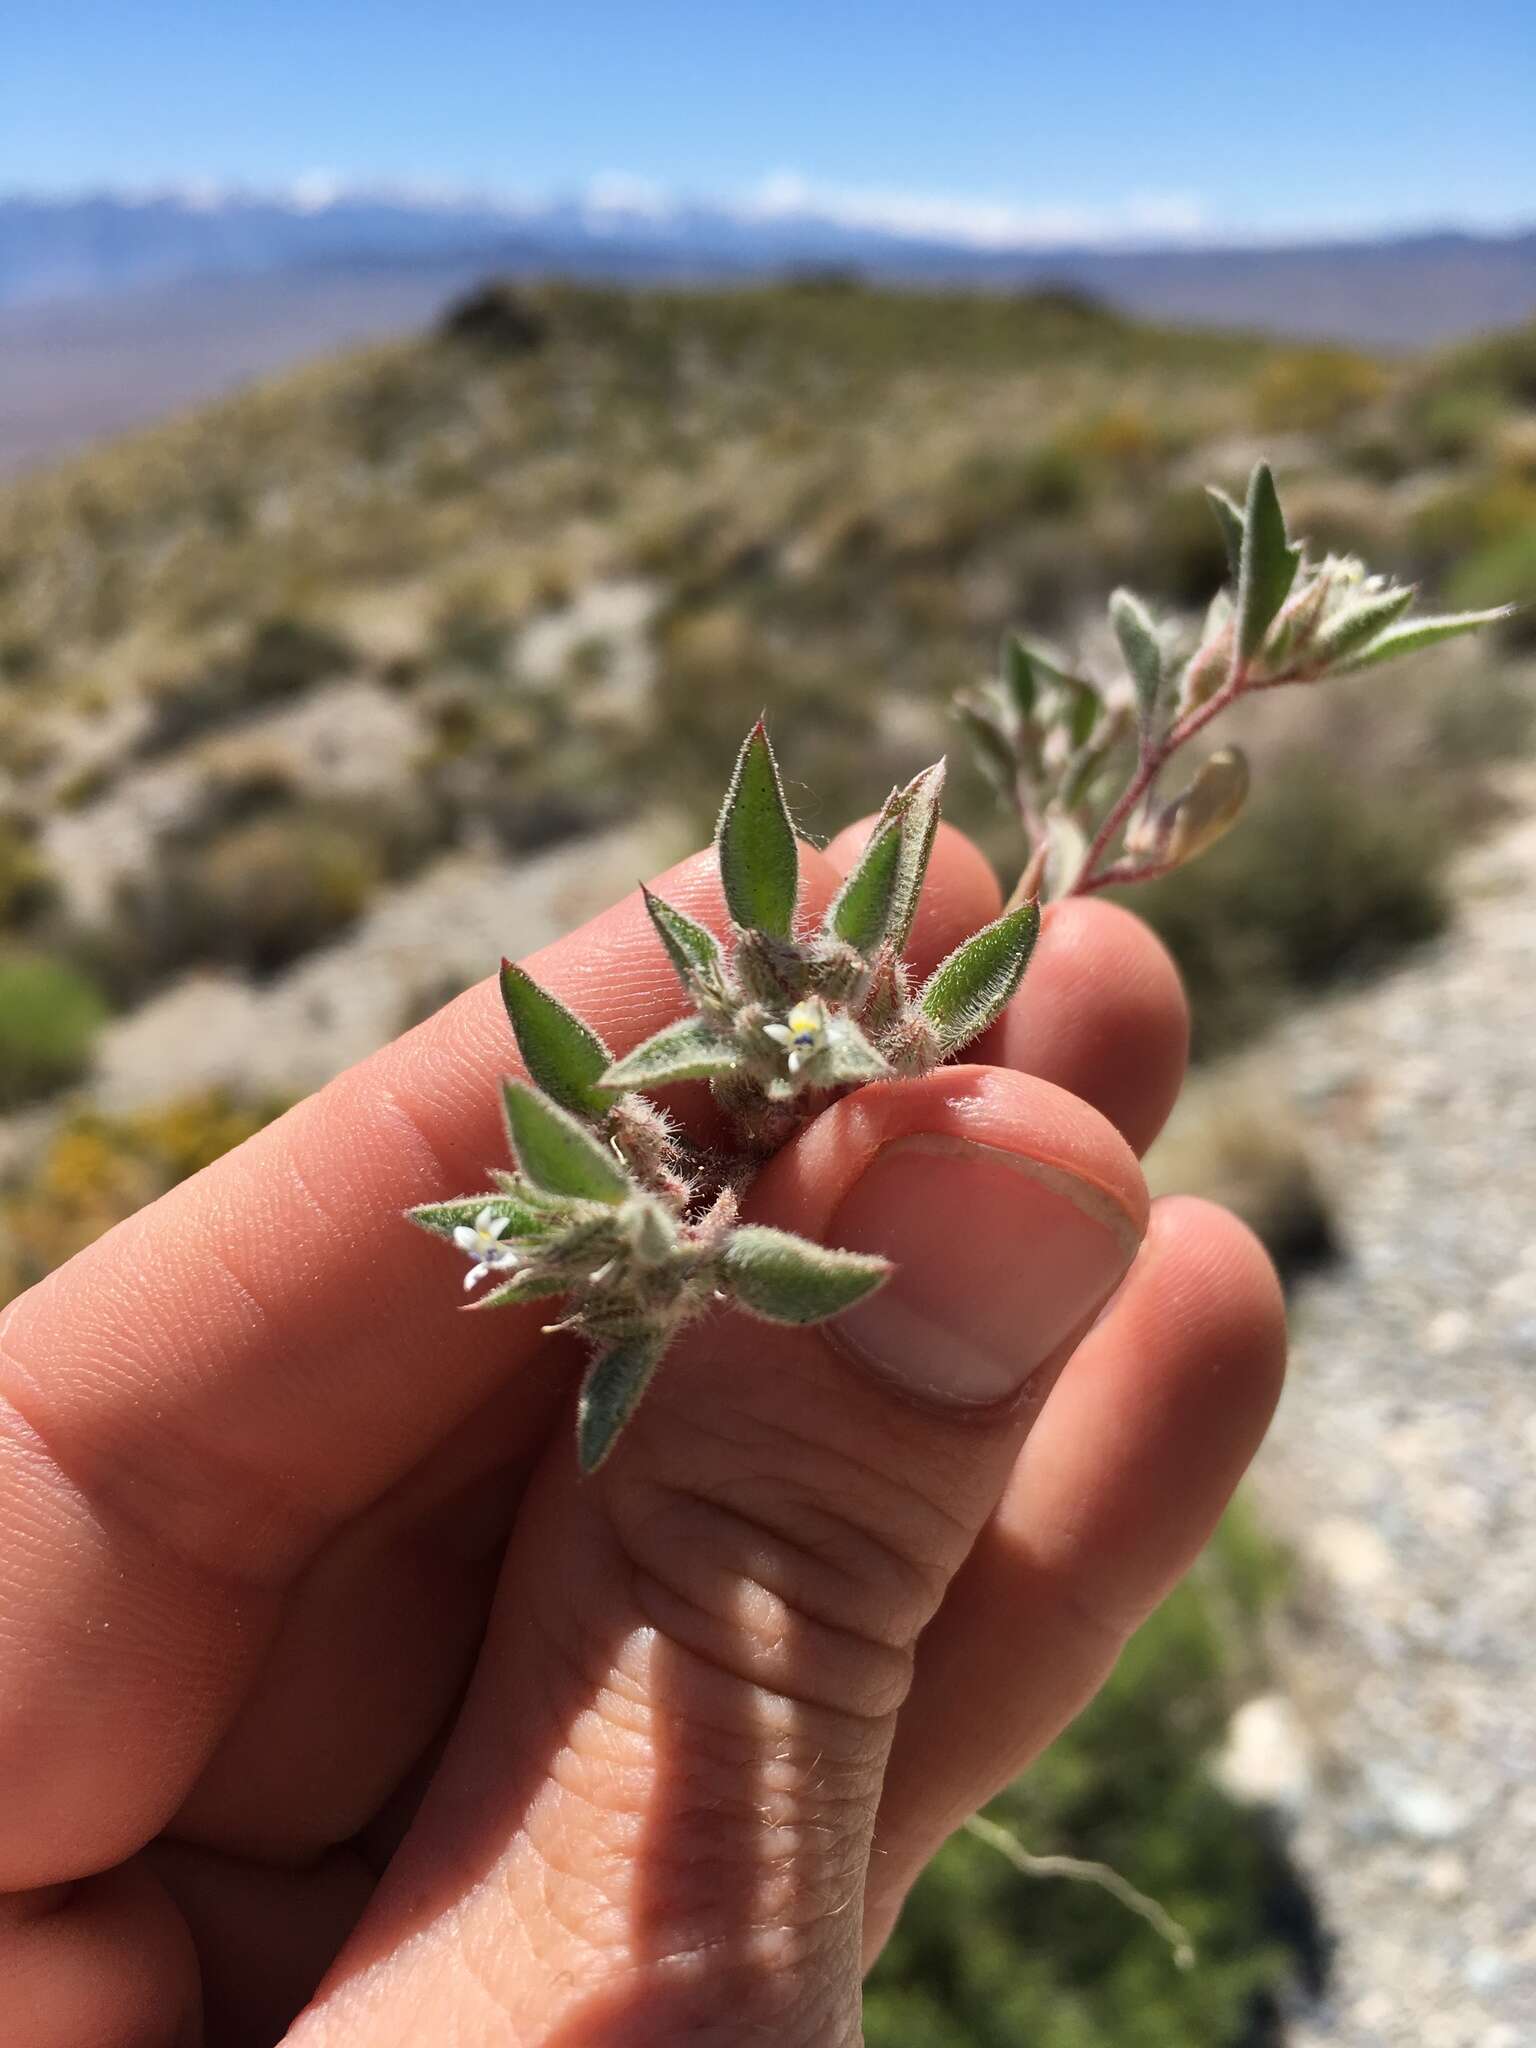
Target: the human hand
(326, 1683)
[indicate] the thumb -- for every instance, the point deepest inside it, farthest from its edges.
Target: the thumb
(655, 1817)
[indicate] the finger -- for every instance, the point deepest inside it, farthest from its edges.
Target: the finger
(107, 1962)
(1102, 1010)
(1134, 1456)
(672, 1749)
(194, 1403)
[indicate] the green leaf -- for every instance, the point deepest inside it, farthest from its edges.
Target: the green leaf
(1141, 647)
(1019, 675)
(687, 1051)
(917, 808)
(993, 752)
(1352, 626)
(787, 1279)
(969, 990)
(850, 1058)
(564, 1056)
(611, 1393)
(556, 1152)
(1229, 517)
(523, 1219)
(1268, 566)
(759, 866)
(526, 1286)
(860, 912)
(1413, 634)
(694, 952)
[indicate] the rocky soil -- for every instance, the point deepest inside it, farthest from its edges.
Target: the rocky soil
(1402, 1470)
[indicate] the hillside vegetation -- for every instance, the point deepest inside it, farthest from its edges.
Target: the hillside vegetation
(432, 625)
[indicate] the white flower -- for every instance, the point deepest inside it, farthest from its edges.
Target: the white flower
(480, 1243)
(805, 1032)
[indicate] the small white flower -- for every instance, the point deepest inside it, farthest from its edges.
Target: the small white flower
(480, 1243)
(805, 1032)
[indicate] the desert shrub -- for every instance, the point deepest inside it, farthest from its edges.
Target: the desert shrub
(1451, 423)
(97, 1169)
(1326, 878)
(1236, 1144)
(27, 885)
(255, 896)
(985, 1957)
(49, 1016)
(1504, 572)
(1314, 390)
(498, 318)
(282, 658)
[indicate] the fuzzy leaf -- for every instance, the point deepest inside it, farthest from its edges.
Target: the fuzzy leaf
(850, 1058)
(1066, 849)
(1355, 625)
(1208, 808)
(787, 1279)
(563, 1055)
(556, 1152)
(1229, 517)
(610, 1394)
(1413, 634)
(523, 1219)
(1268, 566)
(969, 990)
(524, 1286)
(1141, 647)
(686, 1051)
(917, 808)
(860, 912)
(694, 952)
(759, 866)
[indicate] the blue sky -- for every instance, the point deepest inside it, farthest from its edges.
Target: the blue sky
(1098, 118)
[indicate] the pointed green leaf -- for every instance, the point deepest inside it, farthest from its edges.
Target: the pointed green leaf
(563, 1055)
(994, 755)
(917, 808)
(1413, 634)
(860, 912)
(523, 1219)
(556, 1152)
(850, 1059)
(525, 1286)
(1019, 675)
(787, 1279)
(1141, 647)
(610, 1394)
(686, 1051)
(969, 990)
(694, 951)
(1229, 517)
(1354, 625)
(759, 866)
(1268, 566)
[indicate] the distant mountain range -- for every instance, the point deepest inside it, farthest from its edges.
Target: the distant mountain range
(114, 308)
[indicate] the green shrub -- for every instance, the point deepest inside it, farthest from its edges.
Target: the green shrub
(282, 658)
(1314, 390)
(49, 1017)
(985, 1957)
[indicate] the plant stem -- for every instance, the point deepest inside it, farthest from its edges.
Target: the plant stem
(1154, 756)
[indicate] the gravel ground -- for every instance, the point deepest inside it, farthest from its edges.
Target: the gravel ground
(1402, 1468)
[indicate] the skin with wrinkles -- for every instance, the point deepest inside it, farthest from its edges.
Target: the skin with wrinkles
(326, 1687)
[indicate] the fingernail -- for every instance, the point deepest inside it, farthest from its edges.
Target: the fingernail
(998, 1260)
